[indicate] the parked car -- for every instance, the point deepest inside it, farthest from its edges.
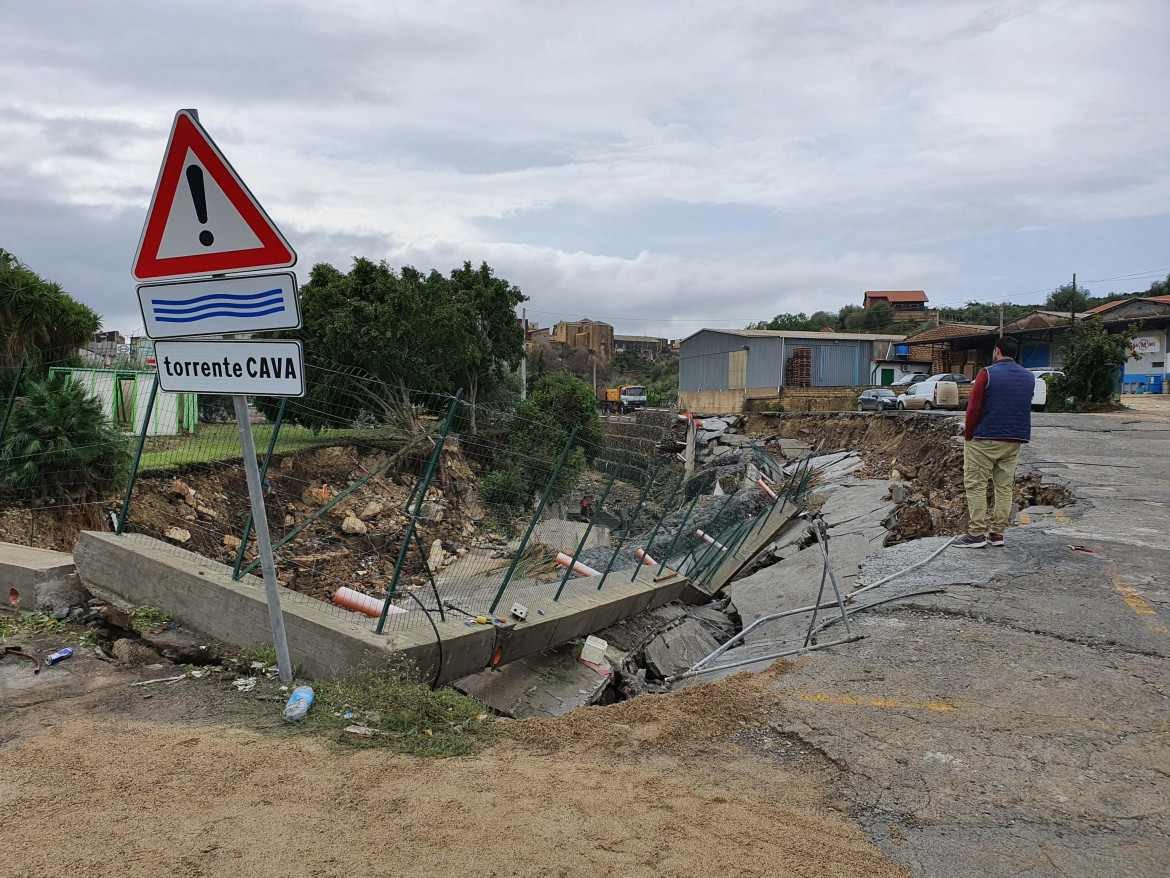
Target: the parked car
(882, 400)
(950, 376)
(907, 380)
(930, 394)
(1040, 394)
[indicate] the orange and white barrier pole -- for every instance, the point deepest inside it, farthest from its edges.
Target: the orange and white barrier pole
(714, 542)
(646, 559)
(355, 600)
(565, 561)
(767, 490)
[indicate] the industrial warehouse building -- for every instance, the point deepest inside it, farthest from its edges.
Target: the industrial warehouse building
(720, 369)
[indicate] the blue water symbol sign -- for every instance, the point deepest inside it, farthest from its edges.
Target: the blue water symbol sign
(220, 306)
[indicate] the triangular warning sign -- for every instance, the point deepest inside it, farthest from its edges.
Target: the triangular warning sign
(203, 219)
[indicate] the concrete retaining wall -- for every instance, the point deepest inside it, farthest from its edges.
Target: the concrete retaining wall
(38, 580)
(201, 595)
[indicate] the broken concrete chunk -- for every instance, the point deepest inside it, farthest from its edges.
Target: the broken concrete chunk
(353, 525)
(679, 648)
(178, 534)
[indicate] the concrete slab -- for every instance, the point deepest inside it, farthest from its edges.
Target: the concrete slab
(678, 648)
(39, 580)
(545, 685)
(794, 583)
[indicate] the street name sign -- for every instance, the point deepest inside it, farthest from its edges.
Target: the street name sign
(219, 306)
(231, 368)
(202, 218)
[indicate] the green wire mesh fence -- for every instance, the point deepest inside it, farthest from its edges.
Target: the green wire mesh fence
(388, 505)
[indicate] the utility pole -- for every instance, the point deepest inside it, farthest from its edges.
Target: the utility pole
(524, 359)
(1001, 319)
(1072, 310)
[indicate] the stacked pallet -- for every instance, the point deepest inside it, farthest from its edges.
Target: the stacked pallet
(798, 368)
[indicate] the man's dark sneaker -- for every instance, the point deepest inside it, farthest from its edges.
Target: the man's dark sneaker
(966, 541)
(995, 540)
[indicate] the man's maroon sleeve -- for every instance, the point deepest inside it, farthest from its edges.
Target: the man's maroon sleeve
(975, 405)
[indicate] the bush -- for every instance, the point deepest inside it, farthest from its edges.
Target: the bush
(1092, 359)
(59, 445)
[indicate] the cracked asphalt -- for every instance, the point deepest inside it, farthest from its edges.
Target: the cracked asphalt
(1019, 724)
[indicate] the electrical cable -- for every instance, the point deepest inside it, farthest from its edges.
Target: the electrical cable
(438, 638)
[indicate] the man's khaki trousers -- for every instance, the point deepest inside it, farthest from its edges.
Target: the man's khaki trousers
(994, 460)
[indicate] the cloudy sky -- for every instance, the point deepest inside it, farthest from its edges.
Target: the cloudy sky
(661, 165)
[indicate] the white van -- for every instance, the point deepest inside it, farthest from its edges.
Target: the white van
(1040, 394)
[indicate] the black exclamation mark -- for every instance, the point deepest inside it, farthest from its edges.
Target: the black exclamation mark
(199, 196)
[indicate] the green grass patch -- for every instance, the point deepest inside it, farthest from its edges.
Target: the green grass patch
(409, 716)
(15, 624)
(212, 443)
(265, 653)
(149, 619)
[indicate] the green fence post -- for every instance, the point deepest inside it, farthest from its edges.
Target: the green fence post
(414, 504)
(137, 456)
(654, 533)
(263, 474)
(11, 400)
(532, 524)
(589, 529)
(630, 526)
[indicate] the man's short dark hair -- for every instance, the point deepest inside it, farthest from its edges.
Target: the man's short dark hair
(1008, 347)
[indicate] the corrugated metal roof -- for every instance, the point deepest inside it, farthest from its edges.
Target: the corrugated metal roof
(781, 333)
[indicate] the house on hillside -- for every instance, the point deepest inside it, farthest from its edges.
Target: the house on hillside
(645, 346)
(586, 336)
(909, 305)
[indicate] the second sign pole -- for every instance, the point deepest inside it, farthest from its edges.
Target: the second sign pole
(263, 540)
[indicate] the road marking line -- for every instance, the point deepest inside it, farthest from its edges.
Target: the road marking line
(1060, 516)
(822, 698)
(1025, 518)
(1132, 596)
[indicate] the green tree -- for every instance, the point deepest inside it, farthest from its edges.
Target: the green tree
(1091, 359)
(1068, 298)
(535, 436)
(797, 322)
(384, 334)
(59, 445)
(879, 318)
(38, 318)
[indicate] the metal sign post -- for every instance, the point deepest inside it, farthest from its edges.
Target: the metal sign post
(263, 540)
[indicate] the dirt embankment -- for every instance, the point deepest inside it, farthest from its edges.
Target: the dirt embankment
(920, 450)
(107, 783)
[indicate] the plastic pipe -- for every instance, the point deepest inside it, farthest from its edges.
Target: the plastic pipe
(714, 542)
(646, 559)
(576, 566)
(767, 490)
(362, 603)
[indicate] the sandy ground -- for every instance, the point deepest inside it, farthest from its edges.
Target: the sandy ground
(98, 781)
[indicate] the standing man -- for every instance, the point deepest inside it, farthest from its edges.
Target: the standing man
(999, 421)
